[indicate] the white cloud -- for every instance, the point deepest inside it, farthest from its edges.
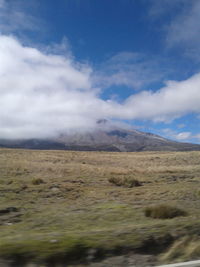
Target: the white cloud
(183, 136)
(180, 136)
(174, 100)
(42, 95)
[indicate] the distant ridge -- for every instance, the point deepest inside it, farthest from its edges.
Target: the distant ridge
(106, 137)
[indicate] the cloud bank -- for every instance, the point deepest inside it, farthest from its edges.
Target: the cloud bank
(43, 95)
(40, 94)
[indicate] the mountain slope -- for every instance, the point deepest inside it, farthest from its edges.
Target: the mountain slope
(105, 138)
(118, 139)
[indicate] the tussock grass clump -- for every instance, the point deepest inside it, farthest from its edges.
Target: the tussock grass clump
(164, 212)
(37, 181)
(126, 182)
(184, 249)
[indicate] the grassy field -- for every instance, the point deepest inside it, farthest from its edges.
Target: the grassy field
(59, 207)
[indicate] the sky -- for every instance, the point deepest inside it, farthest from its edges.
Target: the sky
(66, 64)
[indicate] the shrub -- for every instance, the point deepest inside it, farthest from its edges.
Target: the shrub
(37, 181)
(164, 212)
(126, 182)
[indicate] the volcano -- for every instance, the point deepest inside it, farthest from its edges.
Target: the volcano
(105, 137)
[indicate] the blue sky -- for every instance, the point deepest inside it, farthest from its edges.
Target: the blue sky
(65, 64)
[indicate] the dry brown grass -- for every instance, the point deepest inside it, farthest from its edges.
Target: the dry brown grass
(183, 249)
(77, 200)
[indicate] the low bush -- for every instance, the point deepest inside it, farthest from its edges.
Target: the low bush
(164, 212)
(126, 182)
(37, 181)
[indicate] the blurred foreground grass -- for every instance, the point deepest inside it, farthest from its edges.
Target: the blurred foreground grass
(59, 206)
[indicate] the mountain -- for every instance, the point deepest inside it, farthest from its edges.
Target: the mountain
(106, 137)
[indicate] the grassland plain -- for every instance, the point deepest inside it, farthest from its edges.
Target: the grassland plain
(58, 208)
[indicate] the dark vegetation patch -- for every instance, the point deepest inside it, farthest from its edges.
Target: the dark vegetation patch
(37, 181)
(8, 210)
(125, 182)
(164, 212)
(10, 215)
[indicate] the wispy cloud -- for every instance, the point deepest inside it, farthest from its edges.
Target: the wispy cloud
(181, 27)
(184, 30)
(183, 136)
(180, 136)
(15, 17)
(133, 70)
(197, 137)
(159, 8)
(2, 3)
